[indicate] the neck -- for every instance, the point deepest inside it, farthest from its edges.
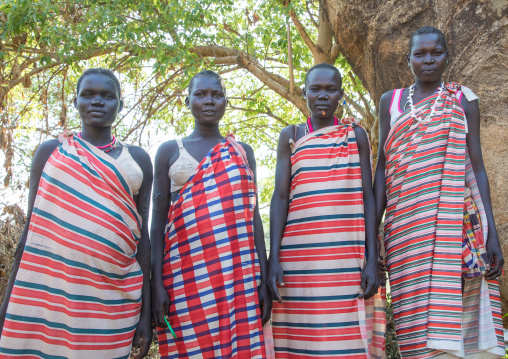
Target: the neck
(427, 87)
(96, 136)
(321, 122)
(205, 131)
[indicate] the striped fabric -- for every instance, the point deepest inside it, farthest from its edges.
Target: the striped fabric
(322, 255)
(77, 293)
(210, 262)
(427, 170)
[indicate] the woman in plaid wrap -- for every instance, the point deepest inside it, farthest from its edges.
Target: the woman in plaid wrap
(209, 252)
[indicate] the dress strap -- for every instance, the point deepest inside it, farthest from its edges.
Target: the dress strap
(180, 143)
(395, 104)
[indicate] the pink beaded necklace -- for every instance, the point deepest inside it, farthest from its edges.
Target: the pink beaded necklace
(107, 147)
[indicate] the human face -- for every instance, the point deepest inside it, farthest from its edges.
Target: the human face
(428, 58)
(97, 101)
(323, 92)
(207, 101)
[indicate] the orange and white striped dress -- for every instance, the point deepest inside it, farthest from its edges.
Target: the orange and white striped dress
(77, 292)
(428, 172)
(322, 255)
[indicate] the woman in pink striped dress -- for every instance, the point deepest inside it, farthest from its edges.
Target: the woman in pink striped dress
(442, 249)
(323, 258)
(80, 283)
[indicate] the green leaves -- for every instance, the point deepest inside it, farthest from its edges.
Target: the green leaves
(156, 46)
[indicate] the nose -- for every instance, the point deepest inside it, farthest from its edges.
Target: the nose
(428, 59)
(323, 96)
(209, 100)
(97, 101)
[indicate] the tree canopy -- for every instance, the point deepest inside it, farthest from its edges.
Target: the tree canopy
(262, 48)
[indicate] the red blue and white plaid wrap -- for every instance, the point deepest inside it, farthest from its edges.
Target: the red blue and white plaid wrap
(210, 262)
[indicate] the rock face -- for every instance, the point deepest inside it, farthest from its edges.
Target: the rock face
(374, 34)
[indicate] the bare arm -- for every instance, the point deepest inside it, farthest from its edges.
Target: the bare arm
(259, 239)
(472, 112)
(370, 278)
(38, 162)
(161, 201)
(279, 210)
(379, 180)
(144, 329)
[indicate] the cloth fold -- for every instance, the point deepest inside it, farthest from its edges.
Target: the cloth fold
(323, 253)
(427, 173)
(210, 265)
(77, 292)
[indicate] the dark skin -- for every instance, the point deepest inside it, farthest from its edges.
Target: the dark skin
(428, 59)
(98, 103)
(207, 103)
(323, 92)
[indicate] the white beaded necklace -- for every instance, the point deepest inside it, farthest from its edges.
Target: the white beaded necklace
(433, 109)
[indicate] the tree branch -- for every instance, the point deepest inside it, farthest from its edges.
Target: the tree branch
(303, 32)
(275, 82)
(311, 16)
(355, 105)
(268, 112)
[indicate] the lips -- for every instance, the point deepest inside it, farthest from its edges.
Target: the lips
(209, 112)
(96, 112)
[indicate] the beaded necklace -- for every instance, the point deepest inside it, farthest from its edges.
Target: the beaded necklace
(110, 146)
(433, 109)
(309, 128)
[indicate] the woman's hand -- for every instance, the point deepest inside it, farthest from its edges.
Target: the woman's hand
(143, 334)
(275, 276)
(265, 302)
(370, 279)
(160, 304)
(496, 259)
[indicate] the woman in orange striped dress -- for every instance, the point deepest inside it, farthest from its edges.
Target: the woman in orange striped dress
(323, 257)
(442, 249)
(80, 284)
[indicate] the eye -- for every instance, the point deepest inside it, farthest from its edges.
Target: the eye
(108, 97)
(199, 94)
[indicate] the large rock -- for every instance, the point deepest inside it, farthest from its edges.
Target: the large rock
(373, 35)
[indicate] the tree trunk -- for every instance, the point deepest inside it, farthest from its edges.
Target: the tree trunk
(373, 35)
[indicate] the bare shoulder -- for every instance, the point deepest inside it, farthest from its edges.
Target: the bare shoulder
(469, 107)
(246, 147)
(361, 135)
(48, 146)
(387, 96)
(248, 151)
(41, 156)
(385, 101)
(289, 131)
(166, 151)
(45, 150)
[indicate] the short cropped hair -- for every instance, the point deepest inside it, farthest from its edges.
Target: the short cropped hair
(324, 65)
(100, 71)
(424, 30)
(206, 73)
